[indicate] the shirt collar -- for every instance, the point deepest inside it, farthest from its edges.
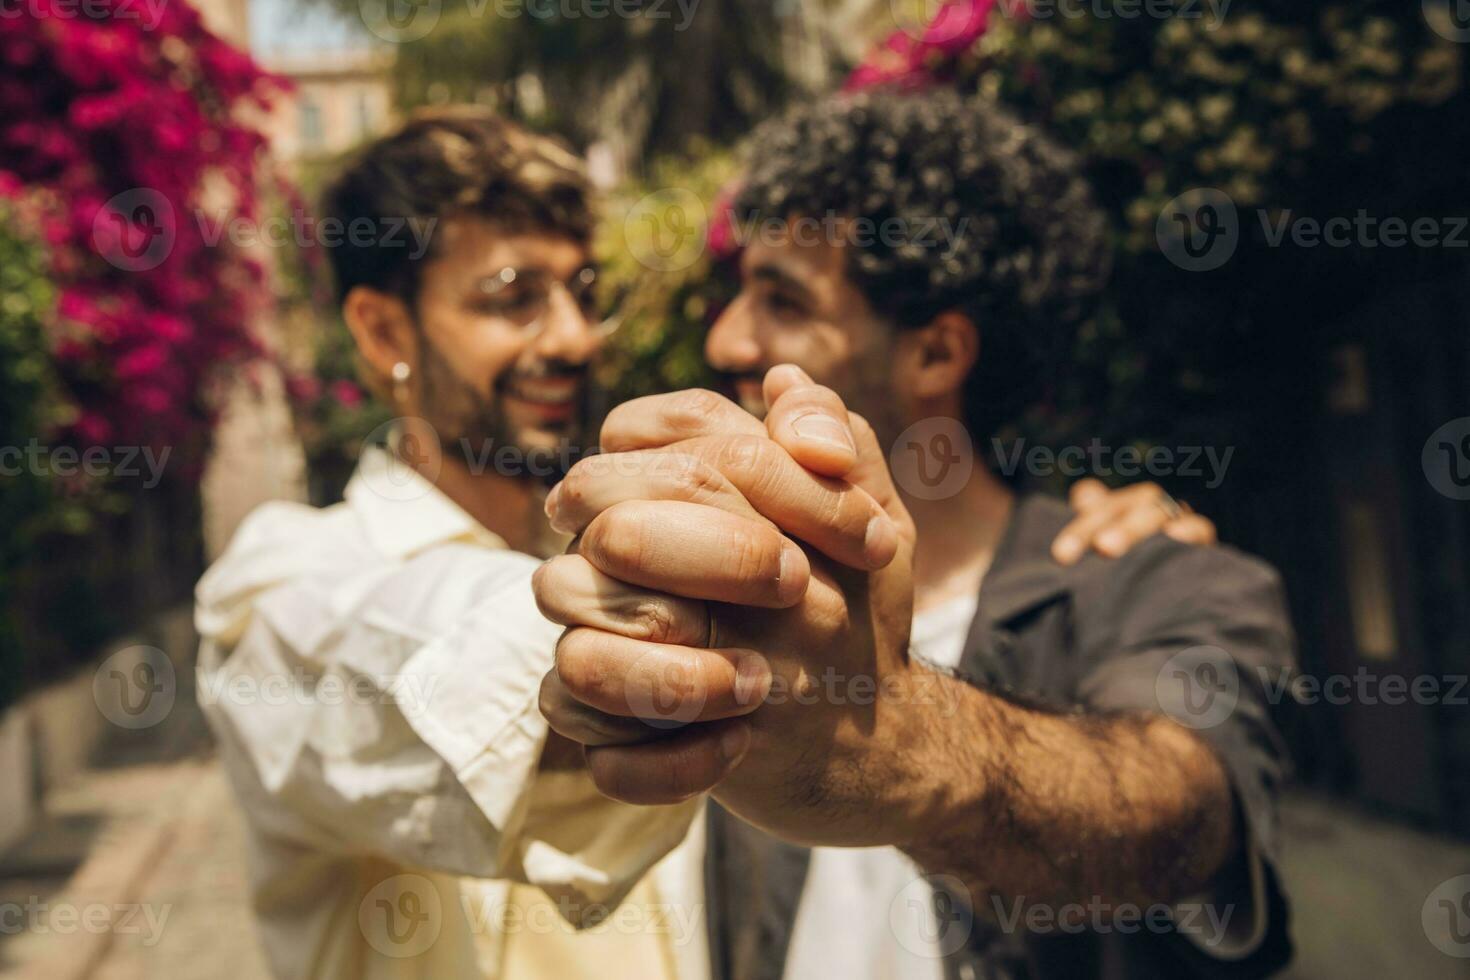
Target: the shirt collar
(402, 513)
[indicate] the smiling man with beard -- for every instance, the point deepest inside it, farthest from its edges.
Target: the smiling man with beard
(372, 669)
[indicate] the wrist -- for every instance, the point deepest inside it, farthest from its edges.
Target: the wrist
(948, 760)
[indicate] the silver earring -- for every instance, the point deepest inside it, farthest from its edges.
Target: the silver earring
(400, 374)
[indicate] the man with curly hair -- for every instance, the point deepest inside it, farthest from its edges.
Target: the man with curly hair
(1079, 775)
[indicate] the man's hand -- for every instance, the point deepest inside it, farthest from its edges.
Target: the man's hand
(820, 647)
(1111, 522)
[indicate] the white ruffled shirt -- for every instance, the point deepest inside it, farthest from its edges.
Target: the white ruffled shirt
(371, 672)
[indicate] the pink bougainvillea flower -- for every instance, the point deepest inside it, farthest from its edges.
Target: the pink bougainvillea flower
(348, 395)
(908, 59)
(105, 128)
(720, 237)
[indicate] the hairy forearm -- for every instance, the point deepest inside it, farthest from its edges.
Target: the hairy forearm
(1067, 808)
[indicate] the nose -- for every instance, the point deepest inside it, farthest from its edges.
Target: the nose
(731, 344)
(566, 335)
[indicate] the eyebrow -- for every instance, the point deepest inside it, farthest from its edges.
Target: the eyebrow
(774, 275)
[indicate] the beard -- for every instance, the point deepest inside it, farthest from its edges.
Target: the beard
(480, 431)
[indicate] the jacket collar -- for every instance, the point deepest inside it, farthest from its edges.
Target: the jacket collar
(1024, 576)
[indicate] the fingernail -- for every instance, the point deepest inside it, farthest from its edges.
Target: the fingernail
(823, 428)
(550, 505)
(734, 743)
(1067, 550)
(789, 589)
(1111, 541)
(880, 542)
(752, 679)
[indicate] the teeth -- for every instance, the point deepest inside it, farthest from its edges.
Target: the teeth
(543, 396)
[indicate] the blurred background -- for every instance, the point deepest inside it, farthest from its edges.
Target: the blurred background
(152, 392)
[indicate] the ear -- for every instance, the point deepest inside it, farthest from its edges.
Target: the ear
(382, 328)
(935, 359)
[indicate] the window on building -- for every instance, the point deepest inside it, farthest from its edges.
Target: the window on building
(364, 115)
(311, 124)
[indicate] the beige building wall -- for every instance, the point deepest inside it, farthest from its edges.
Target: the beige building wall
(341, 99)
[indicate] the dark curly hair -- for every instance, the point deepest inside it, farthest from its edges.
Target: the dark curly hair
(1025, 254)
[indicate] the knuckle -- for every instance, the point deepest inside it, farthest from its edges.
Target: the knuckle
(617, 535)
(573, 492)
(548, 700)
(539, 587)
(754, 555)
(582, 664)
(742, 455)
(690, 408)
(693, 480)
(654, 620)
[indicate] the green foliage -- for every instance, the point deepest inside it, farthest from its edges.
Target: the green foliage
(665, 306)
(1257, 104)
(1320, 110)
(26, 299)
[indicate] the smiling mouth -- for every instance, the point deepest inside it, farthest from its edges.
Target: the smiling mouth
(548, 393)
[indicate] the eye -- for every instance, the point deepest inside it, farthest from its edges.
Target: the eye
(782, 304)
(507, 302)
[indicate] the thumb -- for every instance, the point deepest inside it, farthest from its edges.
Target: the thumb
(870, 472)
(809, 421)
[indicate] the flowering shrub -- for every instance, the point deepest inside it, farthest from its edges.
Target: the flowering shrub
(113, 129)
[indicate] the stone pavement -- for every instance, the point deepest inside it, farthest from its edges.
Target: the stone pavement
(164, 870)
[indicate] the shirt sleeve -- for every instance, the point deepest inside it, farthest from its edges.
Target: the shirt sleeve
(1202, 635)
(392, 712)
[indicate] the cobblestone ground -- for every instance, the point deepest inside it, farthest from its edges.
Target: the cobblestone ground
(167, 863)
